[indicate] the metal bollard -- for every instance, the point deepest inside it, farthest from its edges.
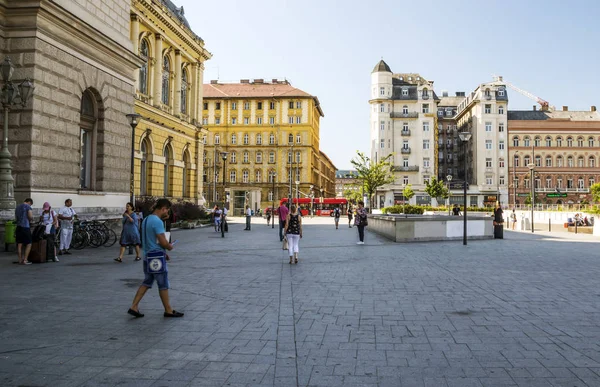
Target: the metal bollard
(575, 226)
(549, 225)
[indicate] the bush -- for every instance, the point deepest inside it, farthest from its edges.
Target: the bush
(182, 210)
(406, 209)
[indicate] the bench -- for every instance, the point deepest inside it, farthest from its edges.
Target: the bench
(582, 229)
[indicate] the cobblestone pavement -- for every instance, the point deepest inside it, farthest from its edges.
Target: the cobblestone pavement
(523, 311)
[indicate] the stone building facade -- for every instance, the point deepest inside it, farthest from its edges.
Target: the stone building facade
(71, 141)
(564, 148)
(168, 96)
(449, 156)
(271, 132)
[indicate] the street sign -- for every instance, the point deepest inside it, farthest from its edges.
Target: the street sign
(556, 195)
(523, 194)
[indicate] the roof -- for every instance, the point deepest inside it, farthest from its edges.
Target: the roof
(381, 66)
(281, 89)
(341, 173)
(450, 101)
(410, 79)
(328, 159)
(178, 13)
(539, 115)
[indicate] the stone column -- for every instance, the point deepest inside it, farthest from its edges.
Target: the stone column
(177, 73)
(193, 110)
(158, 61)
(199, 93)
(151, 65)
(199, 166)
(135, 40)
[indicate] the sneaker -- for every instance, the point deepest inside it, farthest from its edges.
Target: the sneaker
(56, 259)
(362, 243)
(358, 243)
(27, 263)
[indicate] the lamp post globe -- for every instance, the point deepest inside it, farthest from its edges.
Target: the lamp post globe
(449, 179)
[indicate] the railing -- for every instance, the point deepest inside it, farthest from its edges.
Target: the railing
(410, 168)
(425, 96)
(405, 133)
(556, 207)
(563, 190)
(404, 115)
(405, 151)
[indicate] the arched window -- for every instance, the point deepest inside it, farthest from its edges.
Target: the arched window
(516, 141)
(186, 179)
(217, 139)
(569, 141)
(580, 162)
(548, 161)
(168, 155)
(404, 109)
(580, 142)
(548, 141)
(592, 162)
(591, 142)
(184, 91)
(166, 73)
(290, 138)
(259, 139)
(559, 141)
(88, 120)
(516, 161)
(258, 176)
(245, 176)
(570, 161)
(425, 93)
(538, 161)
(526, 141)
(526, 161)
(144, 167)
(271, 139)
(537, 141)
(559, 161)
(143, 85)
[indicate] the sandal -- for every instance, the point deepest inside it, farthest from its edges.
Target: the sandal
(291, 261)
(118, 260)
(134, 313)
(174, 314)
(296, 260)
(137, 258)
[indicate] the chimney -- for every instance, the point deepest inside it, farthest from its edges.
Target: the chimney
(565, 108)
(444, 93)
(244, 81)
(214, 81)
(260, 81)
(593, 108)
(534, 107)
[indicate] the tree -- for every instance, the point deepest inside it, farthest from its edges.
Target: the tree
(595, 191)
(373, 174)
(352, 195)
(408, 192)
(528, 199)
(436, 188)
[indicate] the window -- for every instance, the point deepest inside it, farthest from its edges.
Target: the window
(143, 85)
(501, 163)
(218, 106)
(290, 138)
(381, 107)
(233, 120)
(500, 92)
(426, 179)
(570, 161)
(537, 141)
(217, 120)
(233, 138)
(204, 120)
(217, 139)
(526, 161)
(426, 126)
(405, 144)
(501, 145)
(500, 109)
(232, 176)
(405, 180)
(559, 161)
(259, 120)
(426, 163)
(580, 142)
(548, 182)
(404, 92)
(166, 73)
(404, 109)
(298, 119)
(425, 144)
(389, 143)
(501, 180)
(591, 182)
(246, 120)
(234, 106)
(405, 162)
(516, 161)
(245, 176)
(580, 183)
(291, 104)
(488, 144)
(538, 161)
(425, 108)
(558, 141)
(88, 118)
(488, 180)
(488, 109)
(271, 139)
(246, 105)
(405, 126)
(501, 127)
(592, 162)
(488, 163)
(245, 157)
(526, 141)
(548, 141)
(298, 139)
(569, 142)
(272, 105)
(570, 183)
(516, 183)
(382, 144)
(527, 183)
(559, 183)
(590, 142)
(234, 157)
(580, 162)
(259, 139)
(548, 161)
(246, 139)
(538, 183)
(382, 91)
(205, 105)
(272, 176)
(259, 106)
(290, 119)
(488, 126)
(515, 141)
(166, 176)
(271, 120)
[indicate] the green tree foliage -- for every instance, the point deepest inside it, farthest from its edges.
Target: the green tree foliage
(436, 188)
(373, 174)
(352, 195)
(408, 192)
(528, 199)
(595, 191)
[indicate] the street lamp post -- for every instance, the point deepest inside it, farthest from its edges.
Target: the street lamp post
(133, 122)
(224, 157)
(290, 194)
(532, 171)
(273, 175)
(321, 198)
(514, 181)
(449, 178)
(12, 95)
(312, 198)
(297, 194)
(465, 137)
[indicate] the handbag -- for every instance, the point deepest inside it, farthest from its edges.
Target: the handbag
(155, 260)
(285, 243)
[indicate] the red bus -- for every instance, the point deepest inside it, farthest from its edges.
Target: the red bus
(320, 207)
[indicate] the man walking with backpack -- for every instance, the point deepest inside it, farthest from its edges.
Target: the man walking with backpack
(336, 215)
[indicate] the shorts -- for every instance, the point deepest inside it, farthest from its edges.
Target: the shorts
(162, 279)
(23, 235)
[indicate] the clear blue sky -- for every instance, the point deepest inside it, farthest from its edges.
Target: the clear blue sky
(329, 47)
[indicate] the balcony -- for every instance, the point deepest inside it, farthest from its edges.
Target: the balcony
(564, 190)
(487, 97)
(405, 133)
(410, 168)
(425, 96)
(405, 151)
(404, 115)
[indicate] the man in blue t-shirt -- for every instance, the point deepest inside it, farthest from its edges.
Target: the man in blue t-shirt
(153, 238)
(24, 215)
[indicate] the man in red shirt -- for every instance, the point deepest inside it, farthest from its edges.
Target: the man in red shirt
(283, 213)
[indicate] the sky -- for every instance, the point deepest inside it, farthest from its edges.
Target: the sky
(328, 48)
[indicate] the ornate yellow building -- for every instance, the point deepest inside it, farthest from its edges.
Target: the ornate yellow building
(168, 97)
(270, 131)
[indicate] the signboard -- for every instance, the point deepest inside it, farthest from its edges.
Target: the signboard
(523, 194)
(556, 195)
(458, 185)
